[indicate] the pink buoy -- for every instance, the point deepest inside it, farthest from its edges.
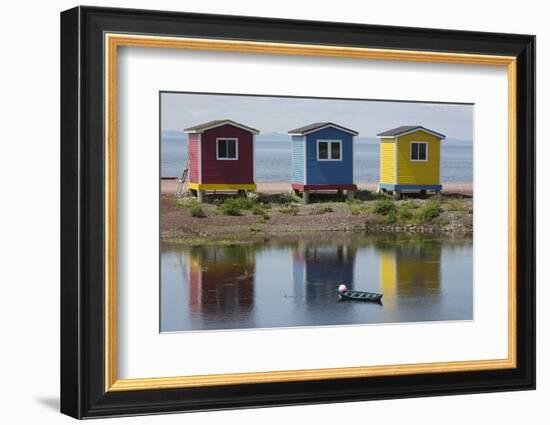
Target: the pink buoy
(342, 288)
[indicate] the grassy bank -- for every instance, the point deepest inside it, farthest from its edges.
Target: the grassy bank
(226, 219)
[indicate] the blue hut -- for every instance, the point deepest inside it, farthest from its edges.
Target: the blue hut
(322, 159)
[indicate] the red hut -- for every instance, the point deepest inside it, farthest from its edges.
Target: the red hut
(220, 157)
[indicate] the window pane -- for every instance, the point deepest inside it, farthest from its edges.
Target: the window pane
(335, 150)
(422, 151)
(222, 148)
(414, 151)
(323, 150)
(232, 149)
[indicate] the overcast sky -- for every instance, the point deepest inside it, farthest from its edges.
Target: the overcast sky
(281, 114)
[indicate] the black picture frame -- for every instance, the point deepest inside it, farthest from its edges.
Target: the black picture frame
(82, 212)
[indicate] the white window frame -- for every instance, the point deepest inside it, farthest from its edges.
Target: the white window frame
(330, 142)
(411, 152)
(218, 149)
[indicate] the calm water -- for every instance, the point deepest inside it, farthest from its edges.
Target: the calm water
(294, 283)
(273, 161)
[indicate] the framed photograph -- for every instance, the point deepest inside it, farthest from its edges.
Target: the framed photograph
(261, 212)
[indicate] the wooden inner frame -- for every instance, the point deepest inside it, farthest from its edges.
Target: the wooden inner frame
(113, 41)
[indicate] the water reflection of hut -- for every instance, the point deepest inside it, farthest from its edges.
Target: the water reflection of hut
(318, 270)
(410, 266)
(221, 280)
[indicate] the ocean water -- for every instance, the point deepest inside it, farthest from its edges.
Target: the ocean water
(273, 160)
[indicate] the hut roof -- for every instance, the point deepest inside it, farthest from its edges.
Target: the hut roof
(405, 129)
(318, 126)
(218, 123)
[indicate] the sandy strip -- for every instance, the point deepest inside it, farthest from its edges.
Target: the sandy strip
(170, 186)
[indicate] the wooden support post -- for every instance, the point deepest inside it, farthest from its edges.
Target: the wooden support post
(396, 195)
(305, 197)
(200, 195)
(350, 194)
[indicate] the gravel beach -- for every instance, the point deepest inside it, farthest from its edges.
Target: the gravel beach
(275, 214)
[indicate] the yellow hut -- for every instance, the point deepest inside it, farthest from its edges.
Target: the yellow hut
(410, 160)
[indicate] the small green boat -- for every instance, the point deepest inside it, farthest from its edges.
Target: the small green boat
(360, 296)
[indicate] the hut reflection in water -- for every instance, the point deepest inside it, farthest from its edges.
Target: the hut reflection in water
(294, 283)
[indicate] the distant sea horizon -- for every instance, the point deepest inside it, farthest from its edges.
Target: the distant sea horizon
(273, 158)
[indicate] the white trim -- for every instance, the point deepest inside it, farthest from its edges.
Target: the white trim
(313, 130)
(410, 151)
(419, 128)
(202, 130)
(330, 142)
(236, 149)
(199, 149)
